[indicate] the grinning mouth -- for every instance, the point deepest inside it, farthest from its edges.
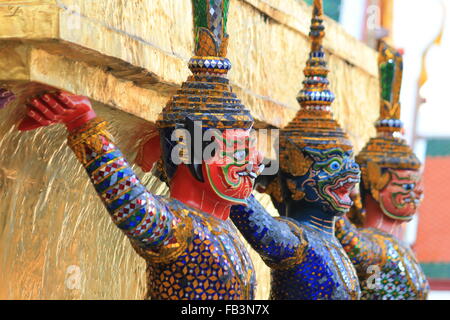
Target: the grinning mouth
(412, 201)
(247, 174)
(251, 174)
(341, 189)
(402, 199)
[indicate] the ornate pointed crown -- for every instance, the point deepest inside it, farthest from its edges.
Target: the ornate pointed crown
(314, 125)
(207, 95)
(387, 150)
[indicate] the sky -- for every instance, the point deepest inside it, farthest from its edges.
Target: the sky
(416, 25)
(434, 114)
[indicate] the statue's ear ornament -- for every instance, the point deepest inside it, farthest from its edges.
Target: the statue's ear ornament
(298, 163)
(377, 179)
(274, 190)
(296, 194)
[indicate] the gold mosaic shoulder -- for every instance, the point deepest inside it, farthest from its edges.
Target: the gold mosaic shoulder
(182, 235)
(382, 240)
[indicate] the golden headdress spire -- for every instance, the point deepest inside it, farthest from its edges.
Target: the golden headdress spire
(315, 94)
(317, 29)
(314, 125)
(206, 95)
(386, 150)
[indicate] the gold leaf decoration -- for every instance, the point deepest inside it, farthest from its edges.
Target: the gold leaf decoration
(224, 46)
(207, 44)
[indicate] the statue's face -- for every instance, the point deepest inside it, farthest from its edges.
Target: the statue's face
(402, 195)
(235, 164)
(330, 179)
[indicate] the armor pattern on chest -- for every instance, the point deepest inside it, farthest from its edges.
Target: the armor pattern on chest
(214, 266)
(324, 273)
(399, 278)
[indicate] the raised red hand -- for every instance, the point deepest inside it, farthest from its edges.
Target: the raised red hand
(72, 110)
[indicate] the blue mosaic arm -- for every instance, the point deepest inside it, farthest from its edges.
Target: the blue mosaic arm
(272, 238)
(363, 251)
(143, 217)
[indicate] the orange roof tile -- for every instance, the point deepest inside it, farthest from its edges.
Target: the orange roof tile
(433, 237)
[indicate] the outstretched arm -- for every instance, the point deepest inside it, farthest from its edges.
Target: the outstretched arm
(143, 217)
(363, 250)
(276, 241)
(139, 214)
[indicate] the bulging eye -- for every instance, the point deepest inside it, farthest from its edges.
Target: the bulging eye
(409, 186)
(240, 155)
(335, 165)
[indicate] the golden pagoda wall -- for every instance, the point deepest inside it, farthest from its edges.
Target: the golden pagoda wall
(56, 239)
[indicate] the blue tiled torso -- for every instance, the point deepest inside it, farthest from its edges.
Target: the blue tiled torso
(323, 271)
(305, 264)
